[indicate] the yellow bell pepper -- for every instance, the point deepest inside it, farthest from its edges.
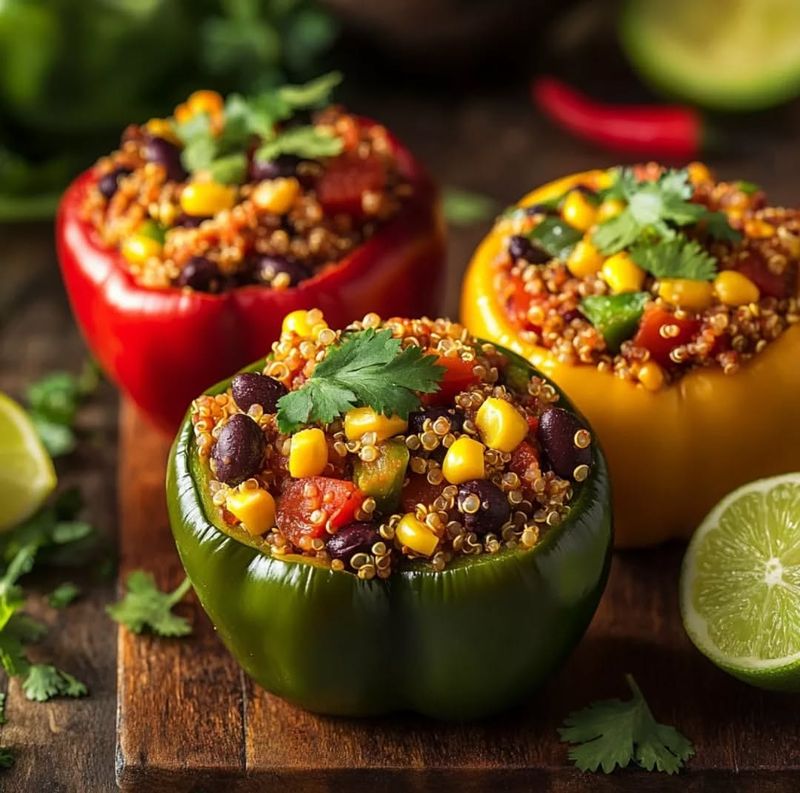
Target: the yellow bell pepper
(674, 452)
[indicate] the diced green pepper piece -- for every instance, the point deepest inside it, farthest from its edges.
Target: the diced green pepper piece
(153, 230)
(382, 479)
(615, 316)
(556, 237)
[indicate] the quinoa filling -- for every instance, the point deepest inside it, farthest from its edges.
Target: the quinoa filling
(472, 456)
(267, 190)
(649, 273)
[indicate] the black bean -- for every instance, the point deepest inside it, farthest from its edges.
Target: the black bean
(556, 435)
(190, 221)
(520, 247)
(416, 420)
(574, 313)
(164, 153)
(541, 209)
(352, 539)
(282, 166)
(250, 389)
(493, 507)
(239, 451)
(202, 275)
(265, 268)
(108, 183)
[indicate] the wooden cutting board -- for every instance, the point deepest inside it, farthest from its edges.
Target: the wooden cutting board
(189, 720)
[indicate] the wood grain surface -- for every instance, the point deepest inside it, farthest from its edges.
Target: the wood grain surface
(188, 719)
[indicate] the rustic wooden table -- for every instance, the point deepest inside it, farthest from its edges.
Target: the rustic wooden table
(491, 142)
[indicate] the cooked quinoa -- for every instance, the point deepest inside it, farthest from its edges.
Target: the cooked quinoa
(725, 284)
(429, 488)
(243, 220)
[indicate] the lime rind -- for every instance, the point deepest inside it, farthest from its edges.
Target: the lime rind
(27, 475)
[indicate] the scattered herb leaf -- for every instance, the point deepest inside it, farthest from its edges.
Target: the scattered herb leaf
(367, 368)
(612, 733)
(6, 757)
(556, 237)
(465, 207)
(45, 681)
(675, 258)
(145, 606)
(63, 595)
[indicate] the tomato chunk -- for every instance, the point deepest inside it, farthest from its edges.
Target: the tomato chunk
(419, 490)
(522, 458)
(458, 376)
(780, 285)
(649, 334)
(345, 180)
(335, 501)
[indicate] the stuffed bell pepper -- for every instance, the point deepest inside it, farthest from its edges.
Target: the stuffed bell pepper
(183, 250)
(665, 303)
(396, 516)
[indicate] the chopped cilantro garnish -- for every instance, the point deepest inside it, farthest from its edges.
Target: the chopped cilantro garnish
(675, 258)
(63, 595)
(748, 188)
(307, 142)
(145, 606)
(612, 733)
(367, 368)
(556, 237)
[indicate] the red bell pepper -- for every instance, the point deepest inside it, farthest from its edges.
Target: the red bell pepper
(165, 346)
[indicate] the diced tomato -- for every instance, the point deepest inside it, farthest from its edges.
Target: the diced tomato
(419, 490)
(345, 180)
(533, 424)
(337, 499)
(770, 284)
(649, 335)
(522, 458)
(458, 376)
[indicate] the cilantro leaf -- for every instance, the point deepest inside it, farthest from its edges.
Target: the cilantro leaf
(314, 93)
(45, 681)
(612, 733)
(676, 258)
(307, 142)
(63, 595)
(6, 757)
(464, 207)
(748, 188)
(719, 227)
(145, 606)
(230, 169)
(556, 237)
(367, 368)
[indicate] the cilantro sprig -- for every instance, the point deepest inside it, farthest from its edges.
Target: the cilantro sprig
(222, 153)
(145, 606)
(612, 733)
(676, 258)
(368, 368)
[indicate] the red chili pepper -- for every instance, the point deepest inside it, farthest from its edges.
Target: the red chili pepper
(670, 131)
(163, 347)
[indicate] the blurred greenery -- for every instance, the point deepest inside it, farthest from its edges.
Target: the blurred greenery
(75, 74)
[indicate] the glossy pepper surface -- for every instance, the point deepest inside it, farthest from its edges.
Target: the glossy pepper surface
(164, 346)
(675, 452)
(462, 643)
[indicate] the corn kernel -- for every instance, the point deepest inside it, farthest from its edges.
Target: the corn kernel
(685, 293)
(585, 259)
(207, 198)
(303, 323)
(276, 195)
(622, 274)
(578, 211)
(698, 172)
(138, 248)
(610, 208)
(308, 454)
(359, 421)
(205, 101)
(501, 425)
(255, 509)
(415, 535)
(735, 289)
(758, 229)
(161, 128)
(464, 461)
(651, 376)
(182, 113)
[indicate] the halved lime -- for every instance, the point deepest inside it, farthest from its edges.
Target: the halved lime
(27, 475)
(740, 584)
(740, 55)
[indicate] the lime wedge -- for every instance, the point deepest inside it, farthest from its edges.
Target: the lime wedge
(727, 55)
(740, 584)
(27, 475)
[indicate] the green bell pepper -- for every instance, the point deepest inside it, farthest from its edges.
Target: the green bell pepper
(383, 478)
(463, 643)
(615, 316)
